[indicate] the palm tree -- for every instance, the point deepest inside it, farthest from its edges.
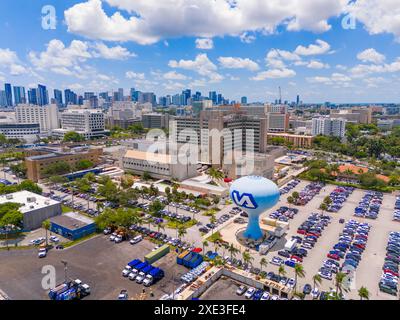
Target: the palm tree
(363, 293)
(181, 232)
(233, 250)
(205, 245)
(316, 279)
(339, 278)
(215, 174)
(281, 270)
(263, 263)
(323, 207)
(46, 225)
(213, 220)
(247, 258)
(298, 273)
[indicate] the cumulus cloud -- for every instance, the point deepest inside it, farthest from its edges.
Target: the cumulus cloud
(320, 47)
(173, 75)
(112, 53)
(205, 44)
(274, 74)
(201, 65)
(238, 63)
(378, 16)
(134, 75)
(10, 61)
(314, 64)
(336, 79)
(148, 21)
(371, 55)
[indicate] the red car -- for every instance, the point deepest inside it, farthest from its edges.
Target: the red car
(301, 231)
(315, 234)
(333, 256)
(396, 274)
(298, 259)
(359, 245)
(152, 235)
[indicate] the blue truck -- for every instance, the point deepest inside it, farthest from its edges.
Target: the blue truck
(70, 290)
(130, 266)
(137, 269)
(154, 275)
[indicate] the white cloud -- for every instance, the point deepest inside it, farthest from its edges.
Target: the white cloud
(112, 53)
(362, 70)
(205, 44)
(149, 21)
(378, 16)
(247, 38)
(134, 75)
(238, 63)
(170, 85)
(202, 65)
(336, 79)
(173, 75)
(320, 47)
(10, 61)
(371, 55)
(314, 64)
(274, 74)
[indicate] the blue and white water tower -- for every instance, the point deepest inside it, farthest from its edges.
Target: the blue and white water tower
(254, 195)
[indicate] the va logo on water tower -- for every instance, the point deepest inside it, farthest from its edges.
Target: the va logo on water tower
(244, 200)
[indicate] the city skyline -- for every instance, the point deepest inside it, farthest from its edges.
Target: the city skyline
(316, 54)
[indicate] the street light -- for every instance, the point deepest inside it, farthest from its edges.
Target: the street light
(65, 263)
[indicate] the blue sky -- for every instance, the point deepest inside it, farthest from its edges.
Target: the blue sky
(243, 48)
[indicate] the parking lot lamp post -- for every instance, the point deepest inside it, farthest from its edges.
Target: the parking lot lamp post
(65, 263)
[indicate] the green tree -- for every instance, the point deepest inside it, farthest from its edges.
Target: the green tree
(109, 191)
(181, 232)
(247, 258)
(298, 273)
(29, 185)
(263, 263)
(205, 245)
(73, 136)
(155, 207)
(363, 293)
(339, 279)
(316, 280)
(233, 250)
(215, 174)
(282, 271)
(83, 165)
(57, 168)
(46, 224)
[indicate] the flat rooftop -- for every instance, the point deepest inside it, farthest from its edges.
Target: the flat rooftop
(148, 156)
(72, 221)
(29, 201)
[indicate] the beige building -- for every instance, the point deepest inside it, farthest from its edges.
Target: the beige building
(40, 159)
(362, 115)
(295, 139)
(157, 165)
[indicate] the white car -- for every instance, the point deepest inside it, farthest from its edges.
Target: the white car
(241, 290)
(136, 239)
(249, 293)
(265, 296)
(42, 253)
(140, 277)
(54, 239)
(291, 283)
(132, 275)
(276, 261)
(113, 236)
(315, 293)
(274, 297)
(118, 239)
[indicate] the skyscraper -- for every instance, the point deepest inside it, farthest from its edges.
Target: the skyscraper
(297, 100)
(243, 100)
(32, 96)
(7, 89)
(43, 95)
(213, 96)
(19, 95)
(70, 97)
(3, 99)
(58, 97)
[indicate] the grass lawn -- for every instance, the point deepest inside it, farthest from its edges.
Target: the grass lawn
(66, 209)
(174, 224)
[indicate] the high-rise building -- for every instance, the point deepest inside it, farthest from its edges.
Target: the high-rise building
(46, 116)
(328, 127)
(33, 96)
(243, 100)
(43, 95)
(58, 97)
(19, 95)
(213, 96)
(298, 100)
(88, 95)
(7, 89)
(3, 99)
(148, 97)
(70, 97)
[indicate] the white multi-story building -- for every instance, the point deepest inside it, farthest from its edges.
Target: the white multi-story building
(46, 116)
(328, 127)
(87, 122)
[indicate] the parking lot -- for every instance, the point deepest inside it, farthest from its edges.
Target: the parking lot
(97, 262)
(223, 289)
(369, 270)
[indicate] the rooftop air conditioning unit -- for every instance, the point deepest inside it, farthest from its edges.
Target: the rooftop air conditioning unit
(9, 196)
(31, 199)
